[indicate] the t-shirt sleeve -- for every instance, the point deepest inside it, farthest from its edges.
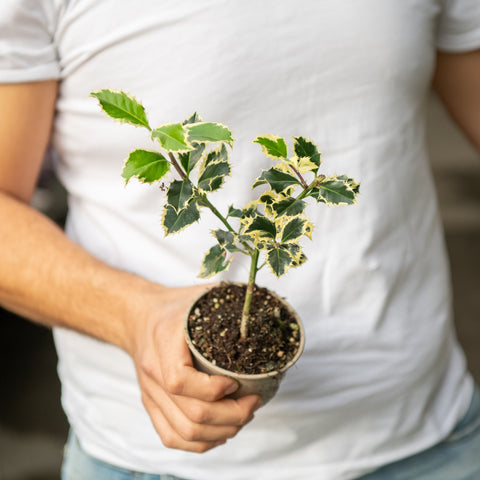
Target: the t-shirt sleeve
(459, 26)
(27, 48)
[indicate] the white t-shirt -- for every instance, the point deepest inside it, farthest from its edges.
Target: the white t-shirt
(382, 375)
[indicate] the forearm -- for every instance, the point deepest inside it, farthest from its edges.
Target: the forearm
(51, 280)
(47, 278)
(457, 82)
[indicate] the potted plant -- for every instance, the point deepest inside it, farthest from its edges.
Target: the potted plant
(242, 331)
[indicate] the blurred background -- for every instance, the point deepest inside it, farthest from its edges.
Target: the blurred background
(33, 428)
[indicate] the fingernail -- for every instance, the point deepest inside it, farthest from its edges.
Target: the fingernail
(258, 404)
(232, 388)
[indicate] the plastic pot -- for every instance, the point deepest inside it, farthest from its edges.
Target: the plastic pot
(263, 384)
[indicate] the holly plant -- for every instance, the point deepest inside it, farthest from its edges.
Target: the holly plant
(198, 154)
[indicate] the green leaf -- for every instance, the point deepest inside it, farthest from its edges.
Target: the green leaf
(277, 205)
(249, 213)
(172, 137)
(351, 182)
(250, 210)
(194, 118)
(179, 193)
(299, 261)
(296, 228)
(294, 249)
(244, 238)
(190, 159)
(263, 227)
(207, 132)
(213, 171)
(304, 165)
(272, 146)
(148, 166)
(223, 237)
(214, 262)
(279, 181)
(304, 148)
(279, 260)
(336, 190)
(213, 176)
(174, 221)
(289, 206)
(226, 240)
(121, 106)
(234, 212)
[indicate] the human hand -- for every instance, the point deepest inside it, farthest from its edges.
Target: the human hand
(187, 407)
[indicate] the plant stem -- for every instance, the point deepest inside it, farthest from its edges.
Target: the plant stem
(300, 177)
(249, 250)
(307, 190)
(252, 252)
(248, 295)
(214, 210)
(177, 167)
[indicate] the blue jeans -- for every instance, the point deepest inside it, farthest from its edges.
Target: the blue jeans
(455, 458)
(78, 465)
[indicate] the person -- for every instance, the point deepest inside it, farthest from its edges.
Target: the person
(382, 389)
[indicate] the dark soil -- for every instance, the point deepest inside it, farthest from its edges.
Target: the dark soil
(214, 327)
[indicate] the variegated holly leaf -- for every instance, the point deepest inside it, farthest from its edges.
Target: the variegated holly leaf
(172, 137)
(234, 212)
(146, 165)
(277, 205)
(279, 181)
(262, 227)
(208, 132)
(294, 249)
(214, 169)
(267, 199)
(174, 221)
(303, 164)
(122, 107)
(300, 261)
(278, 259)
(245, 238)
(191, 158)
(272, 146)
(214, 262)
(250, 210)
(289, 207)
(249, 213)
(223, 237)
(179, 194)
(336, 190)
(351, 182)
(306, 149)
(294, 228)
(226, 240)
(194, 118)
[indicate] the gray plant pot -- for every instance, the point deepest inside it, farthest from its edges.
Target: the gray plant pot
(264, 384)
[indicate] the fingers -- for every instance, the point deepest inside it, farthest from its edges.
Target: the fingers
(169, 364)
(186, 381)
(224, 412)
(188, 408)
(169, 437)
(192, 424)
